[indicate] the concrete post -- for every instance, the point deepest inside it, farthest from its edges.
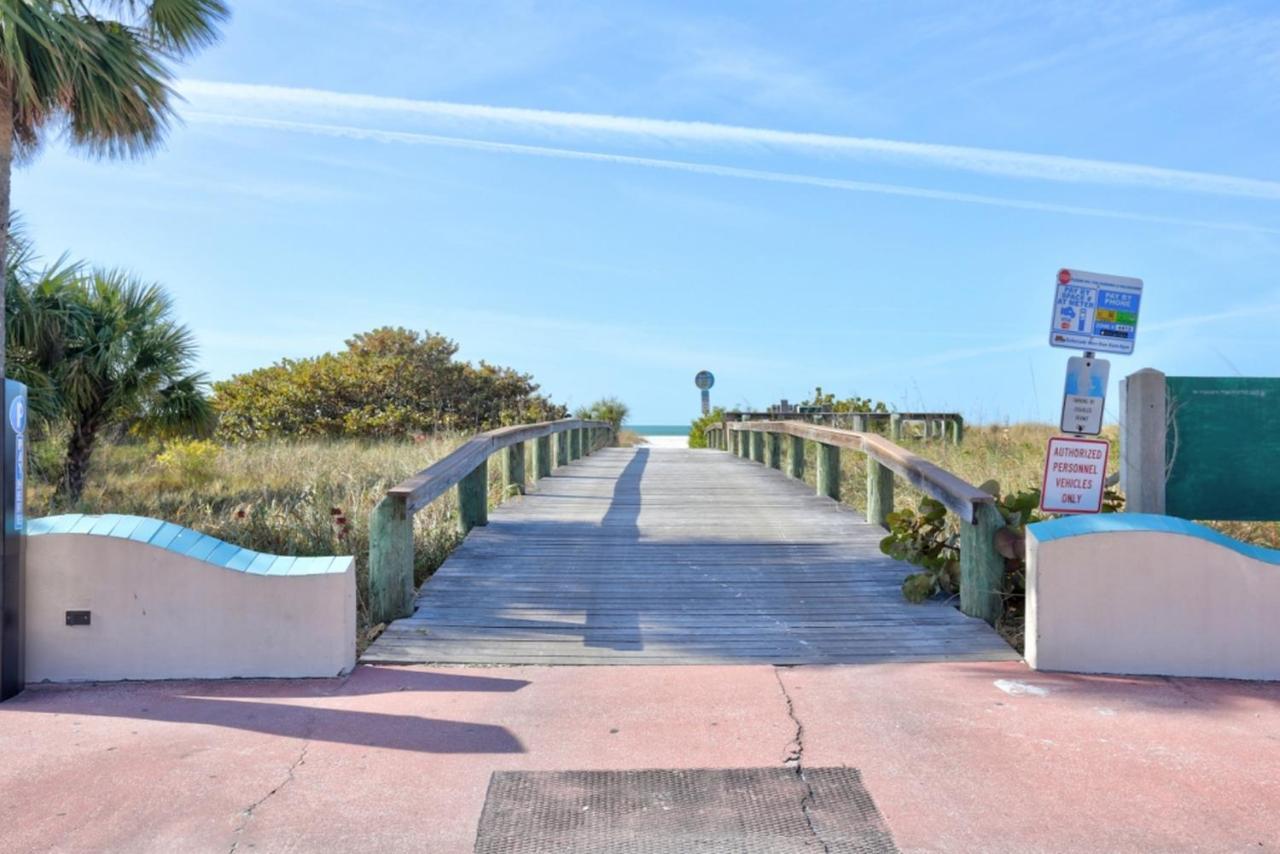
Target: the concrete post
(1144, 420)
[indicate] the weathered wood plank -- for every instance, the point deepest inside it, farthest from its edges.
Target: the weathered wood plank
(649, 556)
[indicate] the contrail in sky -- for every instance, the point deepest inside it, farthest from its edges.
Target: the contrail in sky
(411, 138)
(991, 161)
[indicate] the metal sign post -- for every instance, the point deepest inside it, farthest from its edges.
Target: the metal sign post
(704, 381)
(1091, 312)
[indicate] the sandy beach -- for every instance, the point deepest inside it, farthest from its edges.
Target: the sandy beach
(666, 441)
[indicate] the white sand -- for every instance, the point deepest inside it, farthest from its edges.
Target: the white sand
(666, 441)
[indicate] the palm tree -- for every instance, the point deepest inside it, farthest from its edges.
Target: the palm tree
(108, 351)
(97, 70)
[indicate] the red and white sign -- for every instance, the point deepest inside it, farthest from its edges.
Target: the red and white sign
(1075, 474)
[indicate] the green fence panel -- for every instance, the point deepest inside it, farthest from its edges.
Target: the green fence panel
(1223, 448)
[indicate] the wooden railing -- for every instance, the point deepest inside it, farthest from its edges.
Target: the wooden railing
(981, 566)
(933, 425)
(391, 589)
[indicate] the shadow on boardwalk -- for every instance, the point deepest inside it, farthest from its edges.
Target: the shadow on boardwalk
(657, 556)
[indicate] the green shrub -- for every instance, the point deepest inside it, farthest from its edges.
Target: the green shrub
(698, 429)
(386, 383)
(609, 409)
(189, 463)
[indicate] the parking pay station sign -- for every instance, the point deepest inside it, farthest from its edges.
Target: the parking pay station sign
(1095, 313)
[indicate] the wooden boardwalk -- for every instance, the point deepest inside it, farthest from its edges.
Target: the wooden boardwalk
(657, 556)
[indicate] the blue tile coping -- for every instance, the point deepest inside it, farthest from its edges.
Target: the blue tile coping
(184, 541)
(1116, 523)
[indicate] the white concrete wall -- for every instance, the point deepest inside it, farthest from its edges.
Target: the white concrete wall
(157, 614)
(1151, 602)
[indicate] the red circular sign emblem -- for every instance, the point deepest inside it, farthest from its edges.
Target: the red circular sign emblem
(1064, 276)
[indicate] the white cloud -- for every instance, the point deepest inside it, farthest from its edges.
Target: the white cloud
(411, 138)
(965, 158)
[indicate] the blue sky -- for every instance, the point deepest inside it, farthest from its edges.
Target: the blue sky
(614, 196)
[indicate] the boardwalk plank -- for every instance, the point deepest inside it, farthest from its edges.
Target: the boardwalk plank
(656, 556)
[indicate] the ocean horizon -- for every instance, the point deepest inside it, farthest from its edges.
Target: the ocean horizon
(658, 429)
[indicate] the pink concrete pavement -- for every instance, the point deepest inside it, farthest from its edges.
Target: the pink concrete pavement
(399, 759)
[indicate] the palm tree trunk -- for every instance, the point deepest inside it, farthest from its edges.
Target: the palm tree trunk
(6, 168)
(76, 466)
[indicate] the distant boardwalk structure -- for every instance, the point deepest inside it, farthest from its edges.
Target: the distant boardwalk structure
(675, 556)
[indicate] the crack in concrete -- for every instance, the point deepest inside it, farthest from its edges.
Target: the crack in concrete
(247, 812)
(794, 760)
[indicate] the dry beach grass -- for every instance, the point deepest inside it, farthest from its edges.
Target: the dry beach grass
(314, 497)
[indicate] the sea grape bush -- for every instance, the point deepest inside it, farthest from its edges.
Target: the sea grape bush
(389, 382)
(924, 537)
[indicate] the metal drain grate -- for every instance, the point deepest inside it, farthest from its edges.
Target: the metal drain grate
(742, 810)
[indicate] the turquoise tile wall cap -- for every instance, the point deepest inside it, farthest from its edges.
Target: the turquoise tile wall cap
(1116, 523)
(180, 540)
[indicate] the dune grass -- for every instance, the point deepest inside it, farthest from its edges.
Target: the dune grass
(292, 498)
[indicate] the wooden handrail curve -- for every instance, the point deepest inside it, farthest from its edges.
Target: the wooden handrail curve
(959, 496)
(429, 484)
(391, 587)
(981, 564)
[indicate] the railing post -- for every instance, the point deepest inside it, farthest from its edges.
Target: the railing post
(895, 426)
(584, 437)
(575, 444)
(1144, 431)
(795, 458)
(828, 480)
(981, 566)
(473, 498)
(773, 450)
(879, 493)
(513, 469)
(957, 430)
(390, 560)
(757, 446)
(541, 457)
(744, 444)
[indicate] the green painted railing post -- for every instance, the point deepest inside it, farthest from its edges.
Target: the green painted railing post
(744, 445)
(981, 566)
(473, 498)
(575, 444)
(879, 493)
(513, 470)
(757, 446)
(828, 480)
(584, 437)
(562, 448)
(795, 458)
(390, 560)
(895, 427)
(957, 430)
(773, 450)
(736, 438)
(541, 457)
